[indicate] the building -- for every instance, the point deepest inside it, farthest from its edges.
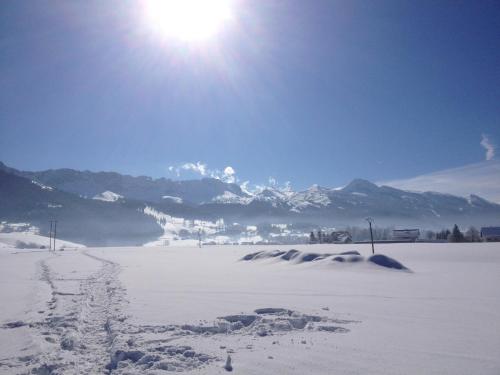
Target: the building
(406, 235)
(490, 234)
(341, 237)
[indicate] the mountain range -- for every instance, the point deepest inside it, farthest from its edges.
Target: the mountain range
(103, 208)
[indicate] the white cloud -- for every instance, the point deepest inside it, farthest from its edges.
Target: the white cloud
(229, 175)
(482, 179)
(197, 168)
(229, 171)
(488, 146)
(175, 170)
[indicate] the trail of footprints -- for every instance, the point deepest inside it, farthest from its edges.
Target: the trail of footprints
(87, 333)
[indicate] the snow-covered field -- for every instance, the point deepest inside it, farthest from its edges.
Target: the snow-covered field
(154, 310)
(26, 240)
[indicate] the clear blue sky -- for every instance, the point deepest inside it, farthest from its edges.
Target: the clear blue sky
(305, 91)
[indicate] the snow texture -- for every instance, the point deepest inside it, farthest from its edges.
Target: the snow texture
(282, 311)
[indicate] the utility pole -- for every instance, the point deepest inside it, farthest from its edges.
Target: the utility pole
(370, 220)
(55, 230)
(50, 236)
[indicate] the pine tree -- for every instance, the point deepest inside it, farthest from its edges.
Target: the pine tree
(312, 238)
(456, 235)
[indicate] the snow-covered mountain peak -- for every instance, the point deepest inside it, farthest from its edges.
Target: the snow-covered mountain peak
(317, 188)
(360, 186)
(271, 193)
(315, 196)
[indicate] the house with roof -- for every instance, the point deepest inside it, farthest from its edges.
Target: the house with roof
(405, 235)
(490, 234)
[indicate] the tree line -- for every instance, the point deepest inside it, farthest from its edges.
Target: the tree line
(455, 235)
(351, 234)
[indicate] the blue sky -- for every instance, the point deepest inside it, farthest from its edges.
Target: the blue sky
(303, 91)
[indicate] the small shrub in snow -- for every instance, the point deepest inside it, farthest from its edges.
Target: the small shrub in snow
(26, 245)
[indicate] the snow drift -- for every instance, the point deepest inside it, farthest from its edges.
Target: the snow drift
(297, 257)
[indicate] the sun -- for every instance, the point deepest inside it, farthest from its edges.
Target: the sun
(188, 20)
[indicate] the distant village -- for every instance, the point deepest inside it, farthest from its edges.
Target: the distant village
(178, 231)
(357, 235)
(277, 234)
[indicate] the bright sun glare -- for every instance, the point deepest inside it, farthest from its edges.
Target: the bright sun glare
(188, 20)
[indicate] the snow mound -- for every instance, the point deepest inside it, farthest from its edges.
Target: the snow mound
(269, 321)
(290, 254)
(385, 261)
(246, 320)
(273, 311)
(350, 253)
(252, 256)
(293, 255)
(165, 357)
(266, 322)
(309, 257)
(297, 257)
(264, 255)
(349, 259)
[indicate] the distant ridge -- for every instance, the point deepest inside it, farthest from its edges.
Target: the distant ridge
(119, 201)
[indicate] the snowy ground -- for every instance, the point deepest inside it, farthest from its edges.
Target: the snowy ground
(28, 240)
(154, 310)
